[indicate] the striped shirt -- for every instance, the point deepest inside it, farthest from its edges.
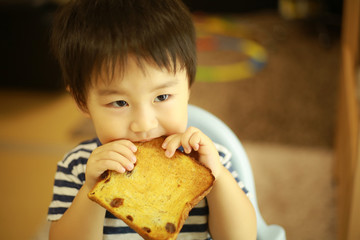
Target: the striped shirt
(70, 176)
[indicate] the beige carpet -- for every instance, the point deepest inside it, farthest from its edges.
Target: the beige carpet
(294, 189)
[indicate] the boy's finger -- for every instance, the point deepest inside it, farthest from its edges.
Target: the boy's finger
(185, 139)
(167, 140)
(195, 140)
(125, 143)
(171, 146)
(126, 152)
(122, 162)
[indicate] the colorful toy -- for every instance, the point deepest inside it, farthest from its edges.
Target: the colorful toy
(221, 34)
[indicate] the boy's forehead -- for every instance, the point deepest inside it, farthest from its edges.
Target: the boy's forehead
(111, 72)
(151, 77)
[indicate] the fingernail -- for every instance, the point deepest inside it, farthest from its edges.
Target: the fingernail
(133, 159)
(130, 167)
(196, 148)
(168, 154)
(134, 148)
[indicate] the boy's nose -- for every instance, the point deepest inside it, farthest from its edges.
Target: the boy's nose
(143, 121)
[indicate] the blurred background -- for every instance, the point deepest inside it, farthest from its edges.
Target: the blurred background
(268, 68)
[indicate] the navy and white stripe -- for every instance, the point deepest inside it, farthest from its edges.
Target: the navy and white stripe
(70, 177)
(225, 158)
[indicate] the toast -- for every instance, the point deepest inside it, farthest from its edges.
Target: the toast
(156, 197)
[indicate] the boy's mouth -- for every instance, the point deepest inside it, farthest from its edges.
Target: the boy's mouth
(144, 140)
(148, 139)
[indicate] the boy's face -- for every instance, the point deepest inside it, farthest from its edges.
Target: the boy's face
(142, 104)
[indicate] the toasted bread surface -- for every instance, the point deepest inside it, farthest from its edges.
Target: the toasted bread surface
(156, 197)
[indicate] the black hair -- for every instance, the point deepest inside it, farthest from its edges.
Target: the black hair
(89, 35)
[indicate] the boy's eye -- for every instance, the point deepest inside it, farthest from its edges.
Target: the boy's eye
(120, 103)
(162, 97)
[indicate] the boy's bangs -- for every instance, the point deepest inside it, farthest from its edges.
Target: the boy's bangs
(114, 66)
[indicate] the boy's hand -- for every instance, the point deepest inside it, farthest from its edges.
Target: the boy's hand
(117, 155)
(194, 139)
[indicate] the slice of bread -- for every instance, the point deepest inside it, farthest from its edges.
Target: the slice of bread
(156, 197)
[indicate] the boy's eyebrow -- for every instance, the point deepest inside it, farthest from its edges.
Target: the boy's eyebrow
(171, 83)
(106, 92)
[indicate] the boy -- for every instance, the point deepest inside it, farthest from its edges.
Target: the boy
(129, 65)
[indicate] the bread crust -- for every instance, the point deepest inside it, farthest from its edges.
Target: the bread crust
(155, 198)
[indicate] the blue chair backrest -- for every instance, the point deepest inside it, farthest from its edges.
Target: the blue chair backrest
(220, 133)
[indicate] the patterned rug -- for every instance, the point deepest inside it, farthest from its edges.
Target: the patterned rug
(227, 39)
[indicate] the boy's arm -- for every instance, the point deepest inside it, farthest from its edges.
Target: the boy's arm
(83, 220)
(231, 214)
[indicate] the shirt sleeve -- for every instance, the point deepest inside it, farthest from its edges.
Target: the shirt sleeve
(69, 178)
(225, 158)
